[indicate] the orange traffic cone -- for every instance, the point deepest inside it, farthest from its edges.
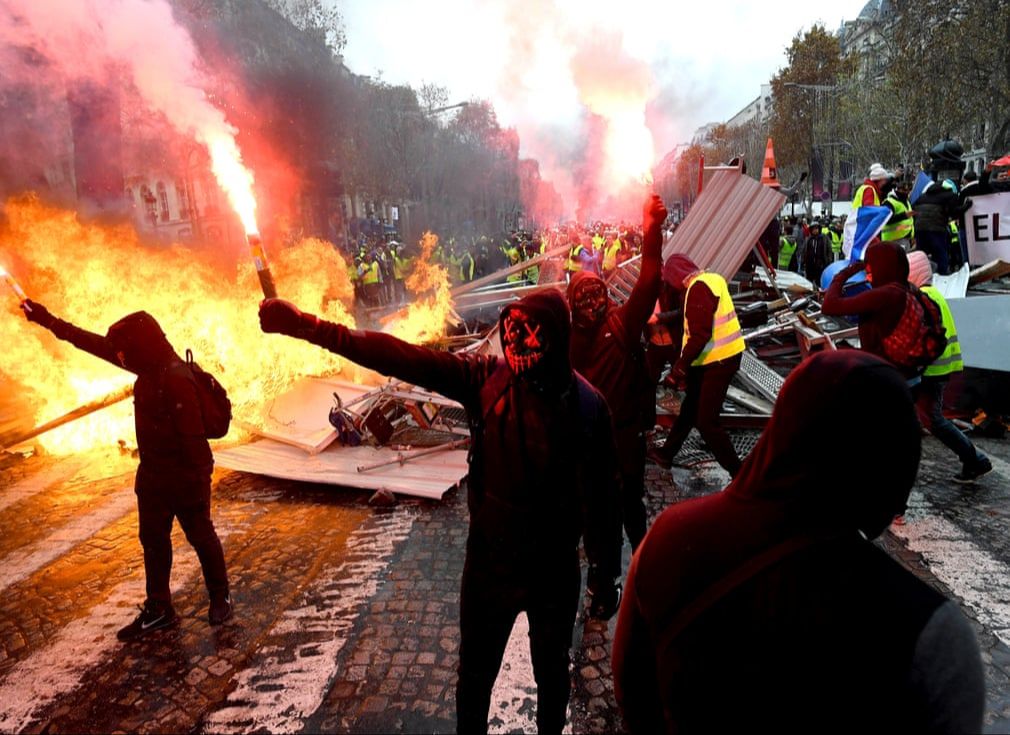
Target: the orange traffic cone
(770, 174)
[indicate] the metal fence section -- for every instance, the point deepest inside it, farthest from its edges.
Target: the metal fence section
(759, 377)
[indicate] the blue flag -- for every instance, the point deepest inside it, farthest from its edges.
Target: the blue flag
(863, 224)
(921, 182)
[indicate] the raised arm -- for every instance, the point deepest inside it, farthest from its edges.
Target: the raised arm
(96, 344)
(455, 377)
(643, 297)
(837, 304)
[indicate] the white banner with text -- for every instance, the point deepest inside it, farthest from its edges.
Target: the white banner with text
(987, 226)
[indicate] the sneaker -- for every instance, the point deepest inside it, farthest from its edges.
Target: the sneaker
(153, 616)
(656, 456)
(220, 609)
(969, 474)
(898, 520)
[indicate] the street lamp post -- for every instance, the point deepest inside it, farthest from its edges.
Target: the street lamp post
(832, 91)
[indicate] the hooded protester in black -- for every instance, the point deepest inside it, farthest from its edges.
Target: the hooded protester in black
(607, 351)
(173, 478)
(542, 475)
(770, 596)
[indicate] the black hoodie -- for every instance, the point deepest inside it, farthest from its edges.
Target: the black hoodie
(833, 637)
(170, 434)
(541, 473)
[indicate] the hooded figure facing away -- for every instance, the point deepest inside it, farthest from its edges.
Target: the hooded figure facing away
(542, 476)
(607, 351)
(766, 608)
(173, 479)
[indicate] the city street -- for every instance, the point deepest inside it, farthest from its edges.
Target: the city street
(346, 615)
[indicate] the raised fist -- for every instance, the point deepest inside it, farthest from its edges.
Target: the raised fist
(283, 317)
(654, 213)
(35, 312)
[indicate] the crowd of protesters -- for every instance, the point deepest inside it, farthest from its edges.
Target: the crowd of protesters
(378, 265)
(934, 223)
(775, 579)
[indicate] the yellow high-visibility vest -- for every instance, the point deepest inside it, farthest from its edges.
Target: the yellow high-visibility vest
(950, 361)
(857, 200)
(787, 246)
(401, 267)
(574, 264)
(900, 225)
(370, 273)
(727, 339)
(610, 256)
(836, 243)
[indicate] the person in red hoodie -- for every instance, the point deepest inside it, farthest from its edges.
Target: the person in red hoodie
(606, 349)
(768, 608)
(880, 308)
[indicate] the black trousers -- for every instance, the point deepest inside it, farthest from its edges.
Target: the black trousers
(707, 386)
(494, 591)
(159, 503)
(631, 447)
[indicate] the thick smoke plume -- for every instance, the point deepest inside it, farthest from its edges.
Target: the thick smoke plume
(601, 169)
(138, 42)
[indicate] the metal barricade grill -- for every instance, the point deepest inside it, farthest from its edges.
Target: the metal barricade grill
(759, 378)
(693, 452)
(621, 282)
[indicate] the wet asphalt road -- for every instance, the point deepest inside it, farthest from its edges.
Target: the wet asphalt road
(346, 615)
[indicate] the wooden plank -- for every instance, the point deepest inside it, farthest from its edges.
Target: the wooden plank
(81, 411)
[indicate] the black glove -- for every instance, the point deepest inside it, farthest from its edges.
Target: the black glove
(37, 313)
(283, 317)
(605, 595)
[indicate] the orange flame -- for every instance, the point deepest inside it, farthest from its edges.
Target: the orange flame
(77, 270)
(426, 317)
(14, 285)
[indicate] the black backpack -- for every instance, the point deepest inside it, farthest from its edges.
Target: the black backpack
(215, 405)
(919, 338)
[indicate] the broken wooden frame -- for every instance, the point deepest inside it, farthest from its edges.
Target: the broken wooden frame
(80, 412)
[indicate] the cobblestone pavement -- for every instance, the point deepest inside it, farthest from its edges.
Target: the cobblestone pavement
(346, 615)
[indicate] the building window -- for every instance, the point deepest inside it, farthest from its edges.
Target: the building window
(163, 200)
(183, 198)
(150, 211)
